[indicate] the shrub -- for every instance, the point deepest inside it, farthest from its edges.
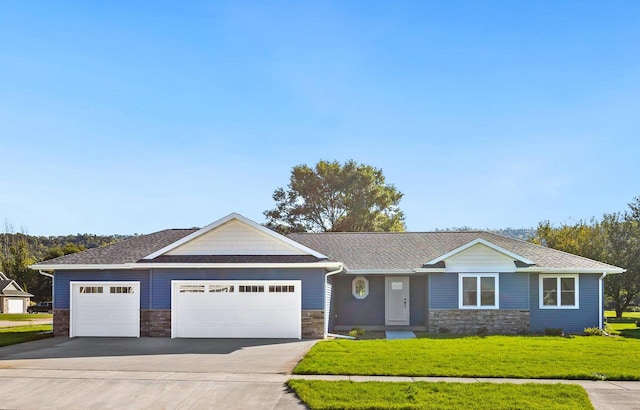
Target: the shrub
(553, 331)
(482, 331)
(356, 331)
(638, 323)
(593, 331)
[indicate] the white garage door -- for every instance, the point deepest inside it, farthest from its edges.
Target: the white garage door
(15, 306)
(105, 309)
(240, 309)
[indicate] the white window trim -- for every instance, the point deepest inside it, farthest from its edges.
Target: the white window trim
(366, 287)
(541, 304)
(478, 275)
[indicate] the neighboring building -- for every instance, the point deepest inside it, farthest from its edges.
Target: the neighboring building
(236, 278)
(12, 298)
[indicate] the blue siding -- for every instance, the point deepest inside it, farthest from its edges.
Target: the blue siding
(569, 320)
(62, 278)
(352, 311)
(370, 310)
(443, 291)
(155, 293)
(417, 289)
(514, 291)
(312, 282)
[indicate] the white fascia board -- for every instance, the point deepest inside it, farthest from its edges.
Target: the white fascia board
(79, 267)
(223, 221)
(380, 272)
(577, 270)
(323, 265)
(483, 242)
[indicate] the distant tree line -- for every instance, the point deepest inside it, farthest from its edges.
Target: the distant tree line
(613, 239)
(19, 250)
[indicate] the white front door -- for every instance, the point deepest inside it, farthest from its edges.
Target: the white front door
(15, 306)
(397, 301)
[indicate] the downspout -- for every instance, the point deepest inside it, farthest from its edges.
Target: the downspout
(327, 306)
(600, 304)
(52, 287)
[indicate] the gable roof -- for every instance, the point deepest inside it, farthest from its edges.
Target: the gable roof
(286, 245)
(9, 287)
(409, 251)
(161, 249)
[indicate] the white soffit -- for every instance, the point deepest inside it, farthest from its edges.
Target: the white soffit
(486, 243)
(235, 235)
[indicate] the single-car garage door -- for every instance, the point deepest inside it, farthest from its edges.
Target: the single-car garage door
(105, 309)
(236, 308)
(15, 306)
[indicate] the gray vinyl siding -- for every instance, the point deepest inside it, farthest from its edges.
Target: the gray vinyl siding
(569, 320)
(312, 282)
(417, 289)
(514, 291)
(351, 311)
(61, 285)
(443, 291)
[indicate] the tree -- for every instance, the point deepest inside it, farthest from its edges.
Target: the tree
(336, 198)
(614, 240)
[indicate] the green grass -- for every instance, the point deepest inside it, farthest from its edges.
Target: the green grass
(580, 357)
(318, 394)
(18, 317)
(20, 334)
(625, 326)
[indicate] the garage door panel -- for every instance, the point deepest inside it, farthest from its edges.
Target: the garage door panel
(105, 309)
(247, 309)
(15, 306)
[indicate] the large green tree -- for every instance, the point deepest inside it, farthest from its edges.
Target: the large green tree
(334, 197)
(615, 239)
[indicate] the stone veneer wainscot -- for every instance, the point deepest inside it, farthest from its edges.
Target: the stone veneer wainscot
(470, 321)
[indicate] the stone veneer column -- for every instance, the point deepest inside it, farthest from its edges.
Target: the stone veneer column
(312, 324)
(155, 323)
(61, 322)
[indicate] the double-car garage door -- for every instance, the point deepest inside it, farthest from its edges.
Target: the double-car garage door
(199, 309)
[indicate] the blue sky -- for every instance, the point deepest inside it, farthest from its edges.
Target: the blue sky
(131, 117)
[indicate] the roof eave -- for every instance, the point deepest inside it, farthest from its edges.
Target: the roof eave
(151, 265)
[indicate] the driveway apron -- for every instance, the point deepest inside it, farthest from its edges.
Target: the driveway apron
(150, 373)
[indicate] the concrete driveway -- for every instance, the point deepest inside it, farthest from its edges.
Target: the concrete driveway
(150, 373)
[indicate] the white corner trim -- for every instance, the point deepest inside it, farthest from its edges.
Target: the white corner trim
(485, 243)
(244, 220)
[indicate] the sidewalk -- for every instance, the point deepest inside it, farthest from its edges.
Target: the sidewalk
(30, 322)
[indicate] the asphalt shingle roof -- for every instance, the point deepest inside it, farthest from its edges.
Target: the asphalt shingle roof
(128, 251)
(358, 251)
(410, 250)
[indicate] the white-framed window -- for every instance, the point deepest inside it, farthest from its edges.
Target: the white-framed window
(560, 291)
(360, 287)
(478, 291)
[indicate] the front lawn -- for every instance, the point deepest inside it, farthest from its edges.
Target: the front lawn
(20, 334)
(319, 394)
(23, 317)
(580, 357)
(625, 326)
